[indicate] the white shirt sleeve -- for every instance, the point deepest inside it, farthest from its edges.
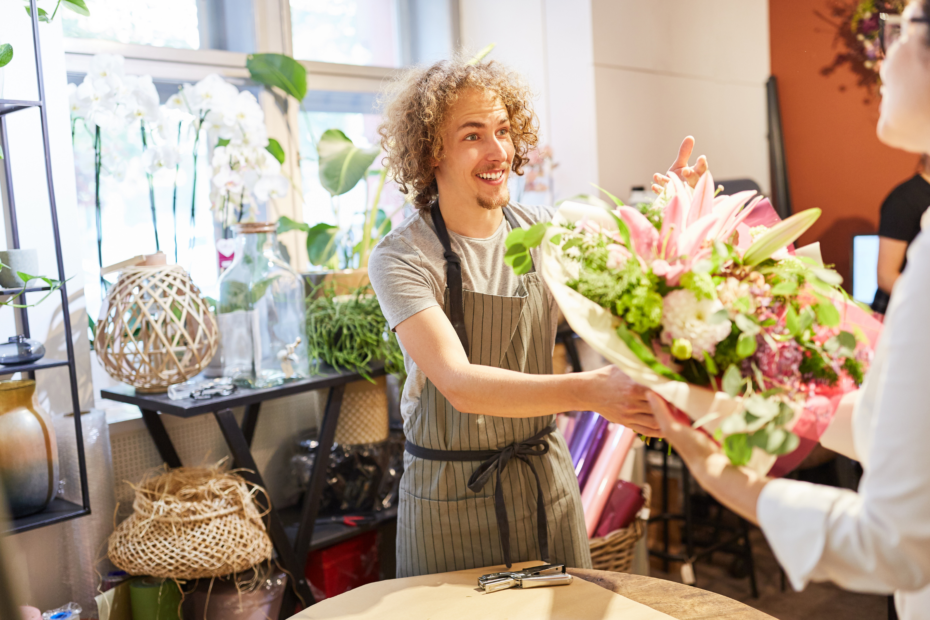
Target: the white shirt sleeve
(876, 540)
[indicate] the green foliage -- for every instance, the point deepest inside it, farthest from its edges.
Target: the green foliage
(274, 147)
(342, 164)
(652, 212)
(322, 243)
(627, 292)
(518, 244)
(701, 284)
(6, 54)
(278, 70)
(350, 333)
(644, 353)
(816, 366)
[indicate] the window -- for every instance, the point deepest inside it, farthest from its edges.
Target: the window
(381, 33)
(184, 24)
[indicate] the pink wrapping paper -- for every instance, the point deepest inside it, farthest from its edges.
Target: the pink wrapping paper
(605, 473)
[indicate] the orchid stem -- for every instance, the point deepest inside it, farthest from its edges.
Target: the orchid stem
(148, 176)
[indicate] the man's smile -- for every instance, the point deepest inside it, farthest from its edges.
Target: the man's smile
(492, 177)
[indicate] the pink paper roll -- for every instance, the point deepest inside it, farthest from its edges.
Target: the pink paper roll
(602, 478)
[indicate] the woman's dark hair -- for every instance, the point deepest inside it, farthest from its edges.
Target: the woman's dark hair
(926, 7)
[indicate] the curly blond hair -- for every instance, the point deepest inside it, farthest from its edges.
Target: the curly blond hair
(415, 106)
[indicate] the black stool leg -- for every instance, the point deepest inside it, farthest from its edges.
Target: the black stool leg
(665, 520)
(747, 553)
(892, 611)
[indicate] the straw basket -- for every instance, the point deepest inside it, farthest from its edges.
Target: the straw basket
(155, 329)
(614, 552)
(191, 523)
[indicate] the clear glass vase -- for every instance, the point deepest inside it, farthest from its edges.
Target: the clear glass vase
(262, 316)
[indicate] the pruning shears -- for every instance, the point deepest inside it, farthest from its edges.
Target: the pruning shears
(543, 576)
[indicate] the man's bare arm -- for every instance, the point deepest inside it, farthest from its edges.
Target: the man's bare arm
(431, 341)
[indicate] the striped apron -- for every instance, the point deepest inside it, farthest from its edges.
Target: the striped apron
(481, 490)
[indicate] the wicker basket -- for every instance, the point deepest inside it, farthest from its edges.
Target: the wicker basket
(614, 552)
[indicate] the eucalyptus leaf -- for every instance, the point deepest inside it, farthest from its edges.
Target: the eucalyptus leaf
(785, 289)
(827, 314)
(321, 243)
(278, 70)
(710, 364)
(792, 322)
(790, 444)
(732, 381)
(745, 345)
(274, 147)
(718, 317)
(737, 449)
(747, 325)
(6, 54)
(846, 340)
(734, 423)
(342, 164)
(807, 317)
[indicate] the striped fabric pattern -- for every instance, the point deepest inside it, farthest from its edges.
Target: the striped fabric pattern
(443, 526)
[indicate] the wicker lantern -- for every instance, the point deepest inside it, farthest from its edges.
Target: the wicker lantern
(155, 328)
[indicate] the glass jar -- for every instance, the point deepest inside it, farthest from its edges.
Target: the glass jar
(261, 314)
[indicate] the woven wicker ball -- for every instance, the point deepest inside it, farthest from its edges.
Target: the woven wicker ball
(155, 328)
(191, 523)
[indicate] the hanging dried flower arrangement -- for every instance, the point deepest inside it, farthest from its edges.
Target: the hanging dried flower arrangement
(858, 34)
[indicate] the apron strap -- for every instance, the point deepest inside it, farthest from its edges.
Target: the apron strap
(493, 463)
(454, 271)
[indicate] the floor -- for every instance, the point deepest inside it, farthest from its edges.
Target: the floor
(818, 600)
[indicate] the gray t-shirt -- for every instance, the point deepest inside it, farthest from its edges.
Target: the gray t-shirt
(408, 272)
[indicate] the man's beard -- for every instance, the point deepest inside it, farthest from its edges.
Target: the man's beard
(499, 202)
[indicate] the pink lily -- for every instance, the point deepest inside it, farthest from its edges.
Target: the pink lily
(691, 221)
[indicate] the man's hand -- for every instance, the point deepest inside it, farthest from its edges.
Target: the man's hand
(620, 399)
(687, 173)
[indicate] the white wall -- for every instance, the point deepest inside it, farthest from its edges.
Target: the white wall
(550, 43)
(668, 68)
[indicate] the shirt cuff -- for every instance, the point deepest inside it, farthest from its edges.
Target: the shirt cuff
(793, 516)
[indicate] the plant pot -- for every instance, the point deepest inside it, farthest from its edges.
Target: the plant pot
(364, 415)
(28, 449)
(346, 281)
(26, 261)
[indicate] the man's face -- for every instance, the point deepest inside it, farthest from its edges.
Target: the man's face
(477, 150)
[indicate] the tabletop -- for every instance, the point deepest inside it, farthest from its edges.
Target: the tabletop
(675, 599)
(186, 407)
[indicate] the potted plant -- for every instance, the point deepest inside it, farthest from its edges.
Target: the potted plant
(349, 332)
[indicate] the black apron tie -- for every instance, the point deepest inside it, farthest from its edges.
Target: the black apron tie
(493, 464)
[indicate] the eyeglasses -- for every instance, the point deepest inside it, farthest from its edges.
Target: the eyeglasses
(890, 28)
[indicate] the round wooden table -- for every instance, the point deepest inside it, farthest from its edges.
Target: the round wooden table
(675, 599)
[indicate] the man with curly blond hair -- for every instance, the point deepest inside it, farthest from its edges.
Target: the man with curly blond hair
(480, 400)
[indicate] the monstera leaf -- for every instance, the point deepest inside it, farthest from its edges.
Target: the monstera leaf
(342, 164)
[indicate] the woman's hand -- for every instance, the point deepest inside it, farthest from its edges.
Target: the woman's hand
(689, 174)
(620, 399)
(736, 487)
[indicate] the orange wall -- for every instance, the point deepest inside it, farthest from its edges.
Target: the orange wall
(835, 161)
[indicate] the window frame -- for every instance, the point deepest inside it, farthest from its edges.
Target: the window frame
(272, 35)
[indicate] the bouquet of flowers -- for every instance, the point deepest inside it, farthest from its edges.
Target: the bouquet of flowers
(704, 300)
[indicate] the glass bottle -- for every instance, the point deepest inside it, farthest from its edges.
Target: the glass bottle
(262, 316)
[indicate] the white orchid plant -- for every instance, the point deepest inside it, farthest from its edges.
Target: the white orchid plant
(246, 163)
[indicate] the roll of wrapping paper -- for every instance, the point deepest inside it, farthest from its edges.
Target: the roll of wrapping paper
(606, 469)
(155, 599)
(566, 423)
(585, 426)
(586, 464)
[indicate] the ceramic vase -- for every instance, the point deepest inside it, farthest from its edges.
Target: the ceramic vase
(28, 449)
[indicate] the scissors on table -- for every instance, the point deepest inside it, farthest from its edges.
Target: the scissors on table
(542, 576)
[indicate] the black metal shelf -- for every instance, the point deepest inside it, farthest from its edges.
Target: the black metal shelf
(41, 365)
(12, 105)
(57, 511)
(31, 289)
(326, 533)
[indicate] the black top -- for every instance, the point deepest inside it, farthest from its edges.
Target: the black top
(900, 219)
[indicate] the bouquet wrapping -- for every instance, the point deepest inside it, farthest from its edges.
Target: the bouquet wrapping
(704, 299)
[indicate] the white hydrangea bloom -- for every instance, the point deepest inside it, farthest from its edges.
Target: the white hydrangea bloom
(684, 316)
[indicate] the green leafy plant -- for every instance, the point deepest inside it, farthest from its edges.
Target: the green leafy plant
(77, 6)
(350, 332)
